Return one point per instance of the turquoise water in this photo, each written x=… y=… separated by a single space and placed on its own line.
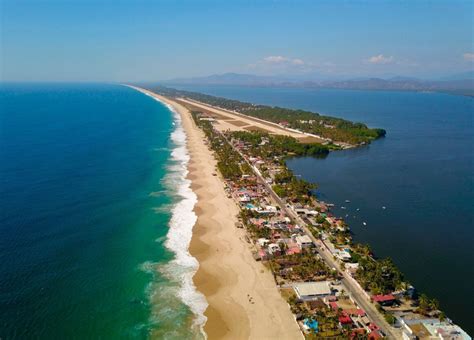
x=92 y=182
x=422 y=172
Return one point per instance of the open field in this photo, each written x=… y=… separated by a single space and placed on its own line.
x=228 y=120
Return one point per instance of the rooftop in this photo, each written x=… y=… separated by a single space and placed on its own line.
x=312 y=288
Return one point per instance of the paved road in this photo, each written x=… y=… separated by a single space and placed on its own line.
x=355 y=290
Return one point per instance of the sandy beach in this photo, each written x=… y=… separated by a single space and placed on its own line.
x=244 y=302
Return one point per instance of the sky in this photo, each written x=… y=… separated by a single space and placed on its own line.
x=137 y=40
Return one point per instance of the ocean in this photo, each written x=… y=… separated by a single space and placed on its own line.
x=96 y=216
x=414 y=188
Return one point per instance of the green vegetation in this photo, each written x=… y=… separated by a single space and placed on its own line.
x=389 y=318
x=336 y=129
x=426 y=305
x=265 y=145
x=304 y=267
x=294 y=189
x=229 y=162
x=379 y=276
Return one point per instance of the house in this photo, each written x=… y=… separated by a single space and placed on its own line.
x=262 y=242
x=384 y=300
x=304 y=241
x=351 y=267
x=345 y=319
x=244 y=198
x=342 y=255
x=374 y=335
x=445 y=330
x=273 y=248
x=312 y=290
x=317 y=304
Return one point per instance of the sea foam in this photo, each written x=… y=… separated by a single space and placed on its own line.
x=183 y=267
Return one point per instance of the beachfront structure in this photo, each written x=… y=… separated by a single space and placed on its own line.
x=312 y=290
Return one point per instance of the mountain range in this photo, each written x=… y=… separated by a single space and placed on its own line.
x=462 y=83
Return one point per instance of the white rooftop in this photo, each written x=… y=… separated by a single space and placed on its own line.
x=303 y=239
x=312 y=288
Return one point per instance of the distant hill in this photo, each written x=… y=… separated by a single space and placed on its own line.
x=469 y=75
x=228 y=79
x=462 y=83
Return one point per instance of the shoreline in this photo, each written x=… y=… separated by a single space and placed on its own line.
x=227 y=275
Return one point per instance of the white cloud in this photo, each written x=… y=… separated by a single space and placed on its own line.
x=297 y=62
x=275 y=59
x=380 y=59
x=468 y=56
x=278 y=59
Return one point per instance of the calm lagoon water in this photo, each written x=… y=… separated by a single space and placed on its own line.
x=422 y=172
x=90 y=179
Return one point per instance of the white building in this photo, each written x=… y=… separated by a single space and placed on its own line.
x=312 y=290
x=273 y=248
x=303 y=241
x=263 y=241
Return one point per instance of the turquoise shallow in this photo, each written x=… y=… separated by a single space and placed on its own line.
x=88 y=184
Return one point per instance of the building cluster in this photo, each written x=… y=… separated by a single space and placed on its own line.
x=290 y=233
x=318 y=298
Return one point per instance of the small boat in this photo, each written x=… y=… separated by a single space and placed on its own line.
x=357 y=209
x=347 y=215
x=343 y=207
x=347 y=201
x=364 y=223
x=384 y=207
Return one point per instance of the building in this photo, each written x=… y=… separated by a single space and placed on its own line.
x=312 y=290
x=273 y=248
x=384 y=300
x=304 y=241
x=342 y=255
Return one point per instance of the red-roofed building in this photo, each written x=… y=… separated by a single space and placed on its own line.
x=333 y=305
x=384 y=300
x=373 y=327
x=293 y=250
x=345 y=319
x=374 y=335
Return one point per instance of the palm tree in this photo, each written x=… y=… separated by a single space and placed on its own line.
x=434 y=304
x=424 y=302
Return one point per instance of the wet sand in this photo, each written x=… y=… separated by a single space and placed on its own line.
x=244 y=302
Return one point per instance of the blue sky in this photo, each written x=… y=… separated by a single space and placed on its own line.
x=139 y=40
